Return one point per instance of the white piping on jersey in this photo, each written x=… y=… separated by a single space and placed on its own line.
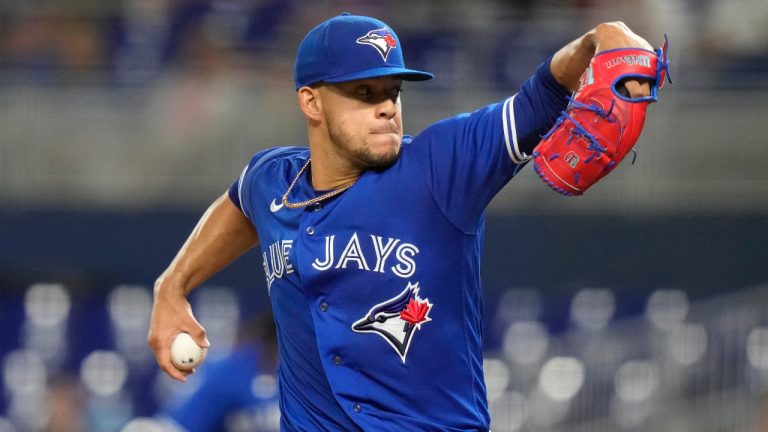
x=511 y=129
x=240 y=187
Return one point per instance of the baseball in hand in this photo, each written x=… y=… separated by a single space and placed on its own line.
x=185 y=353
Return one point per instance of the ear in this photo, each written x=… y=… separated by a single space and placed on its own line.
x=310 y=103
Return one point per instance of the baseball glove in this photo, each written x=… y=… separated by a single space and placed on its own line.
x=601 y=123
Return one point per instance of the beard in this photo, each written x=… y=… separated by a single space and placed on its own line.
x=361 y=154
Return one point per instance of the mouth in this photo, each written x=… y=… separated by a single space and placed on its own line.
x=384 y=130
x=385 y=134
x=378 y=138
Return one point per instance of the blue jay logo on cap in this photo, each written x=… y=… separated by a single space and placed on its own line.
x=381 y=39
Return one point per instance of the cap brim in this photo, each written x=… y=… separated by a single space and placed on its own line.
x=404 y=73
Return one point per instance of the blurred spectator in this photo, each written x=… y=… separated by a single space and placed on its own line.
x=237 y=393
x=47 y=48
x=66 y=404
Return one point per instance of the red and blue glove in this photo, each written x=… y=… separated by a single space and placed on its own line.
x=602 y=122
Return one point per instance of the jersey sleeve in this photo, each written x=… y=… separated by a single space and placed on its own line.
x=239 y=191
x=467 y=159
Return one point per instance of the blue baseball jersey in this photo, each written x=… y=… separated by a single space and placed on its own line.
x=376 y=292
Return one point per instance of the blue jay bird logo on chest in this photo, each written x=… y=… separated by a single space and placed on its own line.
x=381 y=39
x=397 y=319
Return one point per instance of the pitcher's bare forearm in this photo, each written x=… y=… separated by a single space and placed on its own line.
x=222 y=234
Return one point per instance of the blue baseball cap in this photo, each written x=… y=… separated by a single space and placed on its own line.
x=350 y=47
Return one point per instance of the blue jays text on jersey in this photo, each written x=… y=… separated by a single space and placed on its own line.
x=347 y=255
x=376 y=292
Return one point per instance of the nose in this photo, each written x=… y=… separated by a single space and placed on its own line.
x=386 y=109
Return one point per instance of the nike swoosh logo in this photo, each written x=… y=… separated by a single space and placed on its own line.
x=273 y=206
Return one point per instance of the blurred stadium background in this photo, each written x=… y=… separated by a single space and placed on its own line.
x=642 y=306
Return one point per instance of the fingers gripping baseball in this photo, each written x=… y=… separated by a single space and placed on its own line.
x=171 y=315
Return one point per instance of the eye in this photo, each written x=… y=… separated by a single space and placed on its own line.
x=363 y=90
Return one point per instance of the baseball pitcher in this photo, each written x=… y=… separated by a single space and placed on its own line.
x=371 y=239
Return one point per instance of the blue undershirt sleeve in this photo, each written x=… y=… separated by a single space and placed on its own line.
x=537 y=106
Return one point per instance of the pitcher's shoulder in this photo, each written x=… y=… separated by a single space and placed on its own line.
x=286 y=156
